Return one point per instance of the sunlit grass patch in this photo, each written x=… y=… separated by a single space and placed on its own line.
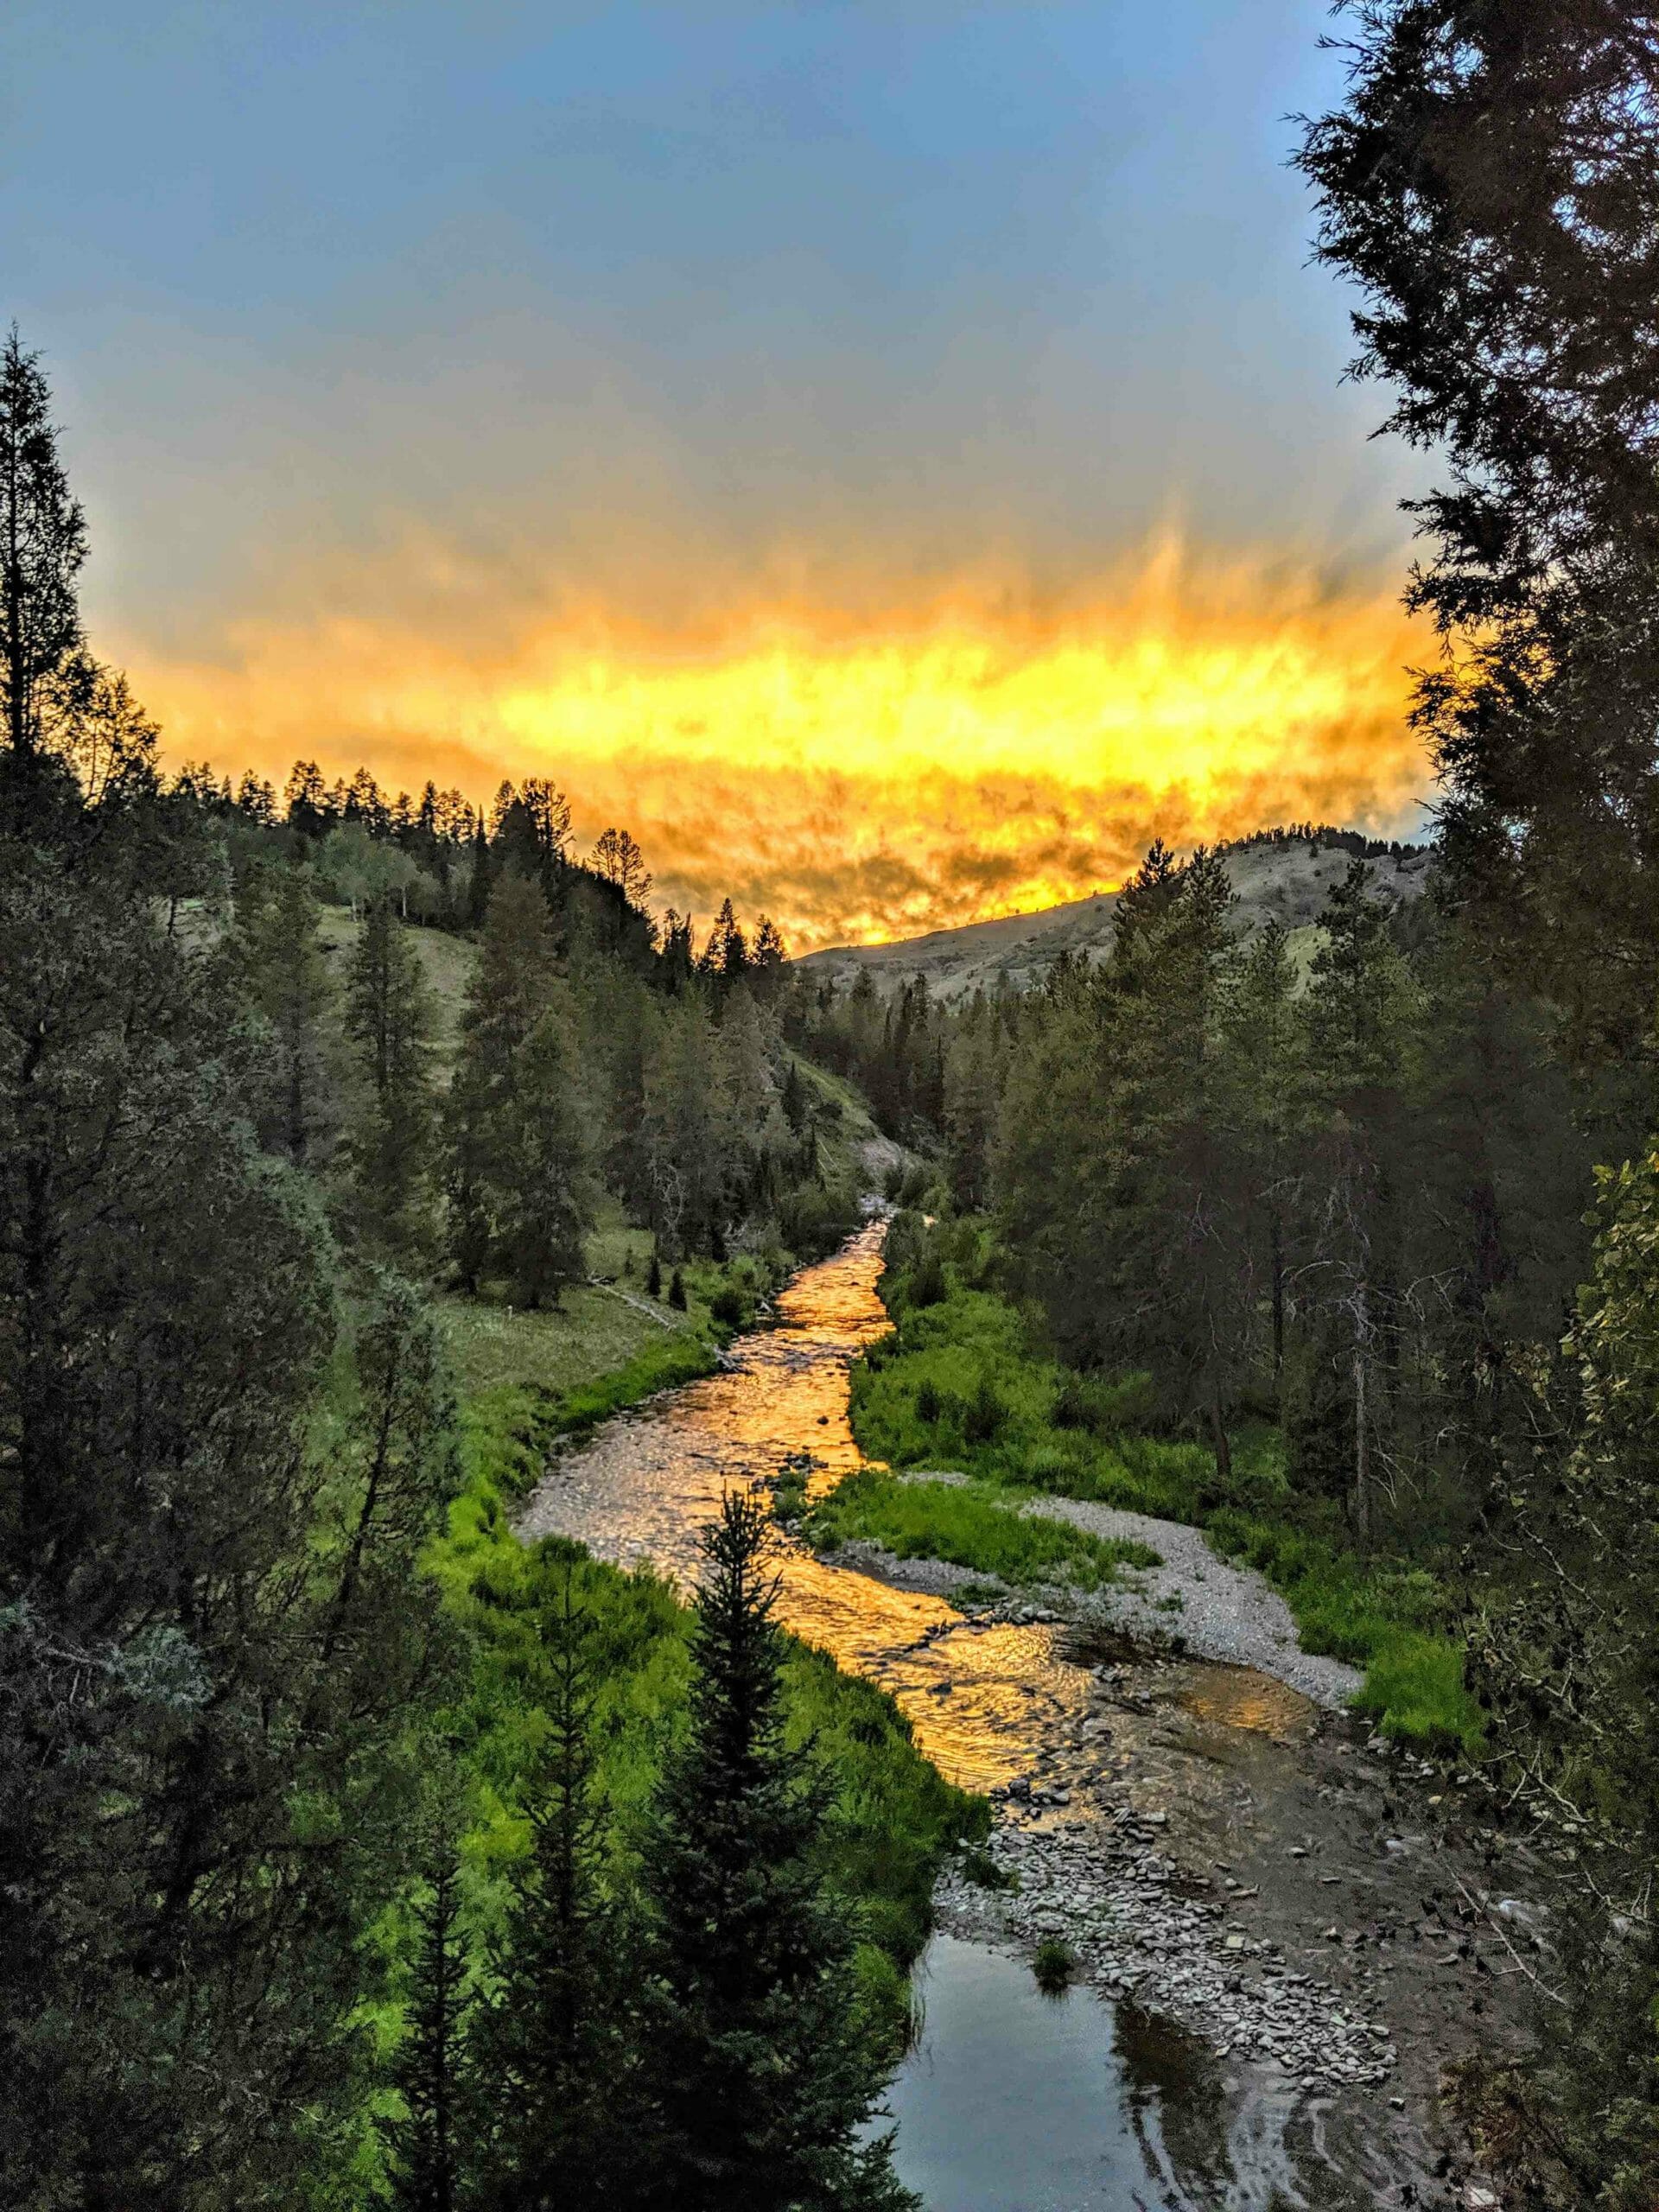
x=1392 y=1621
x=967 y=1527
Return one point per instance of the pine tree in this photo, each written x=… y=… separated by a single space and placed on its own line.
x=390 y=1139
x=427 y=2144
x=1263 y=1068
x=281 y=973
x=546 y=1188
x=511 y=991
x=42 y=546
x=687 y=1134
x=557 y=2040
x=181 y=1970
x=676 y=1291
x=1362 y=998
x=762 y=2080
x=725 y=958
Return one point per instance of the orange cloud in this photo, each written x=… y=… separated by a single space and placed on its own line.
x=970 y=750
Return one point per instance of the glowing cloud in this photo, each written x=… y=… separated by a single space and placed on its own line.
x=970 y=752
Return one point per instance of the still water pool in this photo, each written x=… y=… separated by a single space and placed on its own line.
x=1012 y=2102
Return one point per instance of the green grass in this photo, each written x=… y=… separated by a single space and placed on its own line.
x=595 y=1353
x=960 y=1386
x=925 y=1399
x=1394 y=1621
x=967 y=1527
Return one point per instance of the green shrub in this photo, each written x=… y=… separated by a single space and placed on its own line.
x=986 y=1414
x=1053 y=1963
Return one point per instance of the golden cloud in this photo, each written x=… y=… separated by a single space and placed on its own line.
x=967 y=751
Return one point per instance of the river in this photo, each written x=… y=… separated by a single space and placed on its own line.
x=1178 y=1778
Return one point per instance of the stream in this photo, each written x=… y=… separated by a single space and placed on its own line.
x=1221 y=1856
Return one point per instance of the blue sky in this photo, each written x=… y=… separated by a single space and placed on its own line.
x=929 y=274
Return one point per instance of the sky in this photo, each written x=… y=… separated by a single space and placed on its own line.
x=893 y=457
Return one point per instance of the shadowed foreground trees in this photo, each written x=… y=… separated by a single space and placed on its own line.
x=199 y=1706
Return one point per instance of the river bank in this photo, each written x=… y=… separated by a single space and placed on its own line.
x=1217 y=1852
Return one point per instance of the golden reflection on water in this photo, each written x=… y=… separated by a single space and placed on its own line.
x=1238 y=1697
x=980 y=1700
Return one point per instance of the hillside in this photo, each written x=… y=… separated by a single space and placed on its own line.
x=1289 y=880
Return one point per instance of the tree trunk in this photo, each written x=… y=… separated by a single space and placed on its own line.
x=1223 y=1446
x=1359 y=1505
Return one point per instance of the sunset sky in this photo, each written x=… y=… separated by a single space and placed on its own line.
x=891 y=457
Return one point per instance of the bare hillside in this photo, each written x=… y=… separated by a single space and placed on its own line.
x=1289 y=880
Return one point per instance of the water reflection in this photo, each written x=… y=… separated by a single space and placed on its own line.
x=1016 y=2102
x=981 y=1700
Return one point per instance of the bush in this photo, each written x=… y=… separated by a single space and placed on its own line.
x=729 y=1307
x=925 y=1285
x=986 y=1414
x=1053 y=1963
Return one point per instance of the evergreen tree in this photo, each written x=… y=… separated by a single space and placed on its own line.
x=619 y=860
x=201 y=1764
x=388 y=1021
x=688 y=1129
x=1362 y=1002
x=558 y=2042
x=1263 y=1070
x=282 y=975
x=42 y=546
x=545 y=1185
x=762 y=2080
x=725 y=956
x=511 y=991
x=1492 y=184
x=1565 y=1656
x=428 y=2143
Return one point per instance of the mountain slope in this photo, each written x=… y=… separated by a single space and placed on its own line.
x=1289 y=878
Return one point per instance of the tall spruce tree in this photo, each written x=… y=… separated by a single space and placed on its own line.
x=762 y=2080
x=199 y=1756
x=392 y=1128
x=520 y=1179
x=42 y=547
x=558 y=2042
x=1362 y=1002
x=1491 y=182
x=509 y=996
x=430 y=2150
x=546 y=1185
x=281 y=975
